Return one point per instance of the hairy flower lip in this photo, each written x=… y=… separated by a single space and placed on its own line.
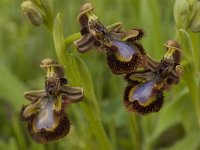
x=47 y=120
x=143 y=90
x=90 y=36
x=44 y=136
x=166 y=71
x=112 y=39
x=122 y=67
x=139 y=95
x=134 y=106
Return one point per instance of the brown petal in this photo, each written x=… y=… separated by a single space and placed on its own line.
x=71 y=94
x=132 y=35
x=33 y=95
x=139 y=76
x=82 y=17
x=151 y=64
x=29 y=110
x=85 y=43
x=115 y=27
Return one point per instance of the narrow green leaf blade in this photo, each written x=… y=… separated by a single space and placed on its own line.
x=11 y=88
x=190 y=142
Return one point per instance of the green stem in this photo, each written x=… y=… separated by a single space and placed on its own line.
x=79 y=123
x=70 y=39
x=112 y=133
x=198 y=109
x=146 y=133
x=191 y=77
x=91 y=111
x=135 y=132
x=47 y=6
x=97 y=128
x=78 y=75
x=195 y=40
x=17 y=132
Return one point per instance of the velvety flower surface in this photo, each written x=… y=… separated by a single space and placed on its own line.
x=46 y=117
x=124 y=52
x=144 y=92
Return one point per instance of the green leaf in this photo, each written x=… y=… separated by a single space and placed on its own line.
x=186 y=43
x=11 y=88
x=76 y=70
x=83 y=76
x=11 y=144
x=70 y=39
x=58 y=38
x=17 y=131
x=188 y=76
x=170 y=115
x=190 y=142
x=152 y=22
x=34 y=146
x=78 y=75
x=191 y=68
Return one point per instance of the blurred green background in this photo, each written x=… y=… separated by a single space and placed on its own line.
x=23 y=46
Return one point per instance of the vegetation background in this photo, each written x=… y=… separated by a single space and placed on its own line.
x=22 y=47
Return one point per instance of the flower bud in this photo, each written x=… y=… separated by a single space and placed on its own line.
x=195 y=22
x=181 y=13
x=192 y=8
x=32 y=13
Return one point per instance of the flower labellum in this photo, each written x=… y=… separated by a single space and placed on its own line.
x=144 y=93
x=46 y=117
x=124 y=53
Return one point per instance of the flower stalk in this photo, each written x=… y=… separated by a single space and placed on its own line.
x=183 y=35
x=78 y=74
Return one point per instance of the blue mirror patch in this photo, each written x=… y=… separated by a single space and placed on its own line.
x=126 y=51
x=45 y=119
x=144 y=91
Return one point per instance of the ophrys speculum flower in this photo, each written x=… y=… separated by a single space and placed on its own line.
x=144 y=93
x=45 y=114
x=124 y=52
